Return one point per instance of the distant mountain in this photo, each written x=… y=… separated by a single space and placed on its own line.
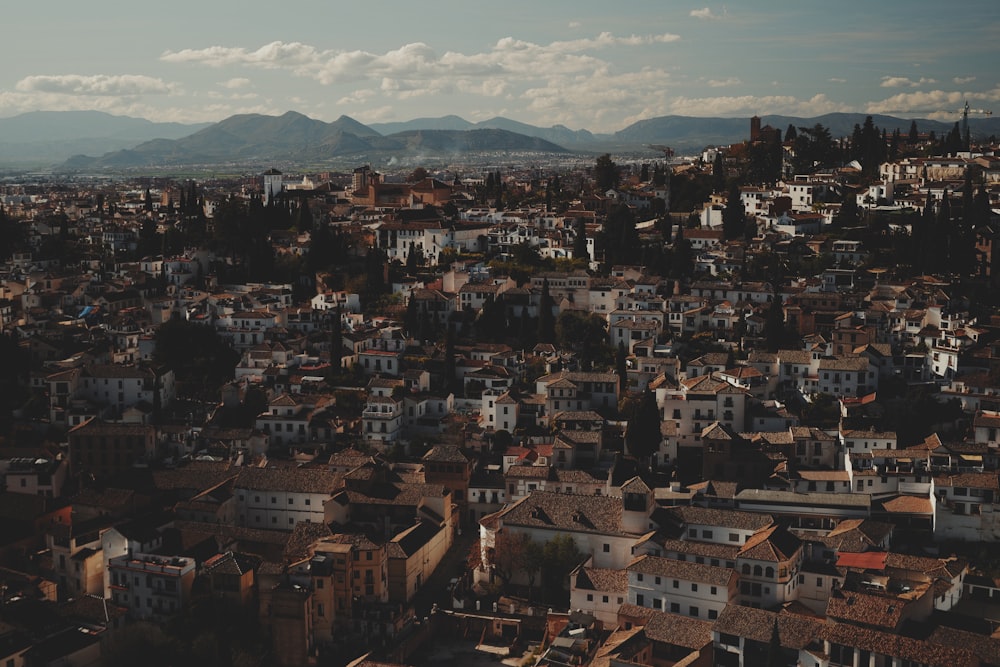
x=445 y=142
x=44 y=137
x=297 y=139
x=444 y=123
x=292 y=137
x=687 y=133
x=557 y=134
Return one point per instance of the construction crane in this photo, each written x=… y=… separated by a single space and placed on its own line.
x=668 y=152
x=965 y=111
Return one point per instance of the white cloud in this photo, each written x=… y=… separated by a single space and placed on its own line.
x=751 y=104
x=95 y=85
x=235 y=83
x=902 y=81
x=509 y=57
x=723 y=83
x=704 y=13
x=837 y=79
x=961 y=80
x=574 y=25
x=945 y=103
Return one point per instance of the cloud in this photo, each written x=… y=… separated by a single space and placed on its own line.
x=752 y=104
x=235 y=83
x=722 y=83
x=574 y=25
x=704 y=13
x=941 y=102
x=836 y=79
x=961 y=80
x=95 y=85
x=902 y=81
x=509 y=57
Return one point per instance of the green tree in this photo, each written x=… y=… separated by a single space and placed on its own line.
x=775 y=655
x=734 y=215
x=718 y=173
x=774 y=324
x=642 y=436
x=560 y=556
x=586 y=334
x=580 y=239
x=546 y=320
x=606 y=173
x=201 y=360
x=621 y=367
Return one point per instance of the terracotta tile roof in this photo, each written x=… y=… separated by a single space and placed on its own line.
x=683 y=570
x=774 y=544
x=603 y=579
x=723 y=552
x=566 y=511
x=300 y=480
x=721 y=518
x=676 y=630
x=795 y=632
x=908 y=505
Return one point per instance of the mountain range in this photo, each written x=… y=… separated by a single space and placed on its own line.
x=90 y=140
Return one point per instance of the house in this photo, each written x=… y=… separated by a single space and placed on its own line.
x=278 y=498
x=151 y=587
x=681 y=587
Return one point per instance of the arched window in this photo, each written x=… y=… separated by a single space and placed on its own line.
x=757 y=570
x=769 y=573
x=746 y=569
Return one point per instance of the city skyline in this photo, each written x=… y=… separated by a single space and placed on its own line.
x=583 y=65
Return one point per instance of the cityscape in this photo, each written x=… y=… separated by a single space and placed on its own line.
x=558 y=347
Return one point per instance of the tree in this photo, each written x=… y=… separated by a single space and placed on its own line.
x=196 y=353
x=417 y=175
x=718 y=173
x=606 y=173
x=642 y=436
x=586 y=334
x=734 y=215
x=621 y=368
x=531 y=563
x=560 y=556
x=546 y=321
x=774 y=652
x=580 y=239
x=513 y=553
x=774 y=324
x=913 y=137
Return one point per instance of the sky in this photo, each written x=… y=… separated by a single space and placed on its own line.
x=584 y=64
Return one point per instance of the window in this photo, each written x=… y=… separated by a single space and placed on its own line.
x=713 y=590
x=706 y=534
x=712 y=614
x=640 y=600
x=604 y=599
x=693 y=611
x=590 y=597
x=734 y=537
x=675 y=607
x=657 y=603
x=638 y=576
x=692 y=533
x=607 y=548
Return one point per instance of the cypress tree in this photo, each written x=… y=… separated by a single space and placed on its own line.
x=546 y=322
